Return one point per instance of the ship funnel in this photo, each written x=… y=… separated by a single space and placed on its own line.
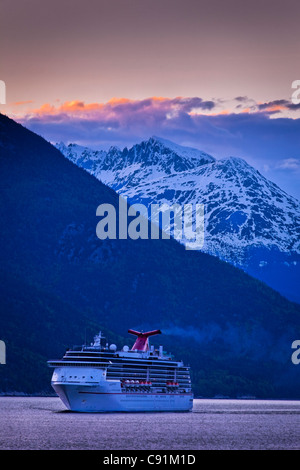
x=142 y=343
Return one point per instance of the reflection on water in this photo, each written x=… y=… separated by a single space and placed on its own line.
x=43 y=423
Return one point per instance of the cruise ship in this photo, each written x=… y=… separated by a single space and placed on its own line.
x=101 y=378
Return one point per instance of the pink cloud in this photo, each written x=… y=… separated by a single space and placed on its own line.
x=213 y=126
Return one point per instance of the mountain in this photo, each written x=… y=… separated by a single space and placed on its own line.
x=60 y=284
x=249 y=221
x=148 y=161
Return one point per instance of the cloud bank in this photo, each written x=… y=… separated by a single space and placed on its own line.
x=266 y=134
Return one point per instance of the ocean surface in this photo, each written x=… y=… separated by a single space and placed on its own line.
x=43 y=423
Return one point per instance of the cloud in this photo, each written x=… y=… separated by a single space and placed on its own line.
x=258 y=132
x=252 y=132
x=246 y=104
x=206 y=124
x=277 y=106
x=119 y=120
x=121 y=107
x=22 y=103
x=289 y=164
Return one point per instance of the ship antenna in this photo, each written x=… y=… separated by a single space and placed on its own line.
x=97 y=340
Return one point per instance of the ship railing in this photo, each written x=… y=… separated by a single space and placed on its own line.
x=59 y=363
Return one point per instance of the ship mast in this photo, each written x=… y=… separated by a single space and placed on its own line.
x=97 y=340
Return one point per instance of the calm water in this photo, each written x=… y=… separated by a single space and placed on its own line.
x=43 y=423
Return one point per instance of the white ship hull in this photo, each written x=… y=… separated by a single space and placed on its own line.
x=101 y=395
x=79 y=398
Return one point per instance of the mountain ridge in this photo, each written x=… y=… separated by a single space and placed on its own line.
x=246 y=215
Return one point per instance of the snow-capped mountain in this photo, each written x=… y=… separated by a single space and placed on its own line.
x=249 y=221
x=146 y=161
x=82 y=156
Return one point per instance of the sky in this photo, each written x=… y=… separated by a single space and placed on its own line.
x=215 y=75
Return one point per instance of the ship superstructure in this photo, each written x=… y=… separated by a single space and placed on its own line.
x=99 y=378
